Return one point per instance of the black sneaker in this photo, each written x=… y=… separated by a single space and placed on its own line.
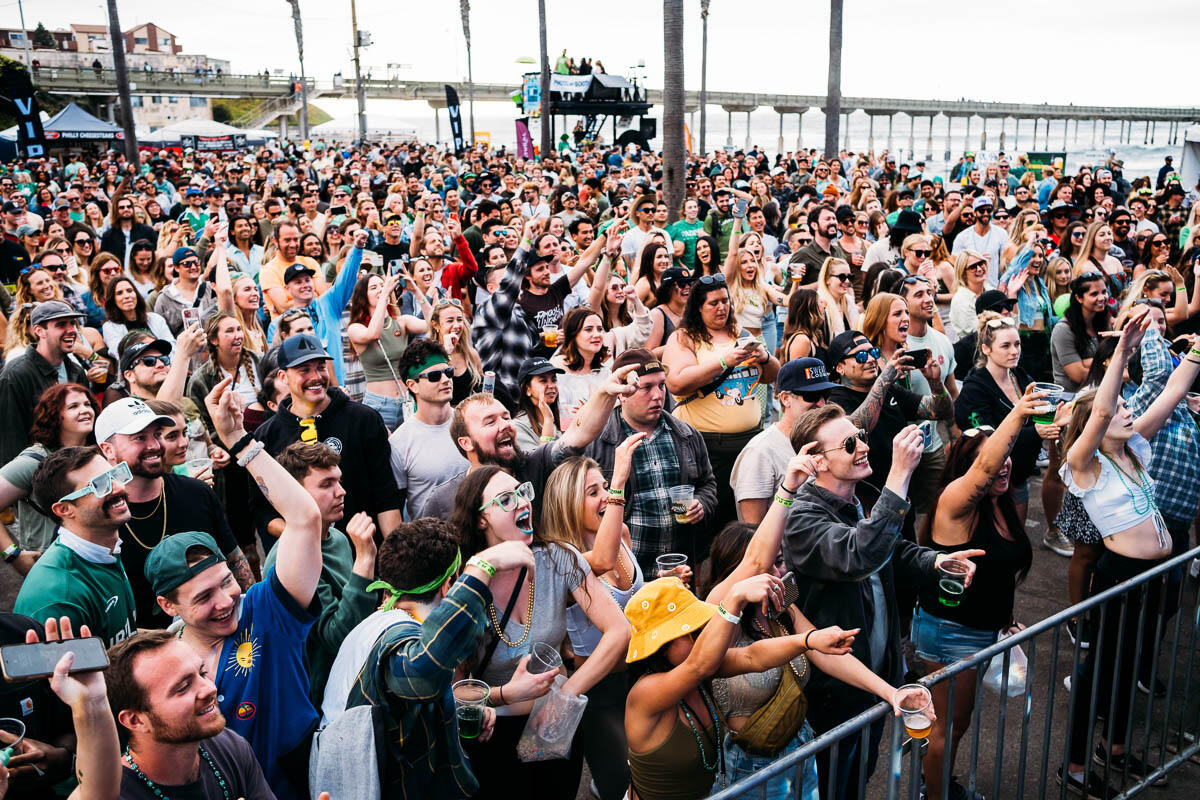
x=1117 y=764
x=960 y=792
x=1092 y=787
x=1160 y=688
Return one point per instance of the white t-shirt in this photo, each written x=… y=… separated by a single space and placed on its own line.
x=423 y=456
x=631 y=242
x=352 y=654
x=990 y=244
x=761 y=466
x=942 y=351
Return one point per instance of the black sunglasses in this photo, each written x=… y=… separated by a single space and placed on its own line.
x=150 y=361
x=922 y=253
x=843 y=277
x=711 y=280
x=850 y=444
x=436 y=375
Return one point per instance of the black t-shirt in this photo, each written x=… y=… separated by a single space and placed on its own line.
x=190 y=506
x=390 y=252
x=234 y=759
x=545 y=309
x=899 y=410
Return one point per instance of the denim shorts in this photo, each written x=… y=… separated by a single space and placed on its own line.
x=793 y=784
x=944 y=642
x=390 y=408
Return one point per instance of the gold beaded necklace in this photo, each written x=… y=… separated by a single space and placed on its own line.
x=528 y=621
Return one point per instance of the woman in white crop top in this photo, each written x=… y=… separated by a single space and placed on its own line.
x=580 y=510
x=1106 y=466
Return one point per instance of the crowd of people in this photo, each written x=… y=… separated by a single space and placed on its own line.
x=442 y=474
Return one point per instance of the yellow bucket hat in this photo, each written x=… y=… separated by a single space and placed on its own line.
x=660 y=612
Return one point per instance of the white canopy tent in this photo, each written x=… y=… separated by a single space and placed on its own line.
x=170 y=134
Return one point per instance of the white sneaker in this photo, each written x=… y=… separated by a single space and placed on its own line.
x=1043 y=459
x=1194 y=568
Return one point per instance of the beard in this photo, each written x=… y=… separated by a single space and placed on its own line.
x=186 y=732
x=510 y=465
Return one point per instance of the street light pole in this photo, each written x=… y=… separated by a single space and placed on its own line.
x=118 y=53
x=703 y=72
x=833 y=93
x=25 y=34
x=359 y=94
x=547 y=147
x=464 y=7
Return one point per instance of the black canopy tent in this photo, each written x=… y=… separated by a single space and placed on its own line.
x=73 y=125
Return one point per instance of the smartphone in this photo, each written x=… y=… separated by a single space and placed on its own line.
x=1180 y=345
x=395 y=265
x=919 y=357
x=791 y=593
x=926 y=429
x=739 y=208
x=191 y=316
x=337 y=211
x=21 y=662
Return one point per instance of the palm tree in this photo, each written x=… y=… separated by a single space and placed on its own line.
x=303 y=81
x=118 y=52
x=674 y=164
x=703 y=70
x=464 y=8
x=547 y=147
x=833 y=95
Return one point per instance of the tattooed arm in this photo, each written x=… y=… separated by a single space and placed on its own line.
x=867 y=414
x=240 y=567
x=963 y=495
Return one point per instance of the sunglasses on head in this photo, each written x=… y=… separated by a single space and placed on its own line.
x=510 y=499
x=850 y=444
x=971 y=433
x=863 y=356
x=711 y=280
x=102 y=484
x=1002 y=322
x=1149 y=301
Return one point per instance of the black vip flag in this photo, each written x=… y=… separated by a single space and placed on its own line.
x=455 y=110
x=31 y=139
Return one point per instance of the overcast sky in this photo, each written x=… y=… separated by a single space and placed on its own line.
x=1104 y=52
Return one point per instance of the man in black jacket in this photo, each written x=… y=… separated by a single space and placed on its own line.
x=56 y=327
x=315 y=412
x=125 y=231
x=848 y=566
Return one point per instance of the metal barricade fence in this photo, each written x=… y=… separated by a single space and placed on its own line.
x=1163 y=731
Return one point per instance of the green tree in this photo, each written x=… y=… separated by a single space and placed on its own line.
x=42 y=37
x=49 y=103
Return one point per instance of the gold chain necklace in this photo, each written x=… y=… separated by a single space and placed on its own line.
x=161 y=502
x=528 y=621
x=799 y=674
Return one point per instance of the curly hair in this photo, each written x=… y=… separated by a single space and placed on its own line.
x=692 y=322
x=572 y=324
x=47 y=414
x=415 y=354
x=417 y=552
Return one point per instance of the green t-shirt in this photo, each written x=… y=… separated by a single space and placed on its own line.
x=687 y=232
x=194 y=220
x=64 y=584
x=37 y=530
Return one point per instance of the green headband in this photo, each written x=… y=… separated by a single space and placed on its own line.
x=428 y=587
x=431 y=360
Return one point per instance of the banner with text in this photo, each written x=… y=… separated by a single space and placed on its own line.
x=455 y=110
x=31 y=139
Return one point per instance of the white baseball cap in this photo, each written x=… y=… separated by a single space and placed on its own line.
x=127 y=416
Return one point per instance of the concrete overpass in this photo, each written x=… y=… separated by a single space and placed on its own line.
x=274 y=91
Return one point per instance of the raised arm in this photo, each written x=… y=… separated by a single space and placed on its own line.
x=222 y=278
x=605 y=549
x=730 y=267
x=362 y=335
x=961 y=498
x=592 y=418
x=189 y=343
x=1104 y=405
x=1150 y=422
x=414 y=244
x=298 y=565
x=938 y=404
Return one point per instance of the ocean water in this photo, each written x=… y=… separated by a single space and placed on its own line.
x=1081 y=144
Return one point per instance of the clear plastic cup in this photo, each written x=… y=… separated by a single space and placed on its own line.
x=916 y=704
x=470 y=698
x=1045 y=413
x=681 y=498
x=543 y=658
x=952 y=582
x=196 y=466
x=668 y=564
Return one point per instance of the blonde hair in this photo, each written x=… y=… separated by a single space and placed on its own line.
x=562 y=506
x=1050 y=271
x=874 y=320
x=1084 y=254
x=914 y=239
x=835 y=323
x=738 y=283
x=986 y=334
x=1017 y=230
x=464 y=347
x=961 y=260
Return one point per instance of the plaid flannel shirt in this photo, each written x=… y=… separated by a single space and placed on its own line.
x=1173 y=462
x=408 y=673
x=501 y=332
x=654 y=470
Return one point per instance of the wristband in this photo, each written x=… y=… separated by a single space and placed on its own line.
x=810 y=631
x=728 y=616
x=240 y=444
x=547 y=439
x=479 y=563
x=251 y=453
x=723 y=364
x=786 y=502
x=11 y=552
x=616 y=493
x=1194 y=352
x=792 y=492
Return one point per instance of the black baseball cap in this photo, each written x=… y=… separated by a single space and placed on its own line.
x=677 y=275
x=295 y=271
x=994 y=300
x=842 y=344
x=134 y=351
x=300 y=349
x=536 y=366
x=803 y=375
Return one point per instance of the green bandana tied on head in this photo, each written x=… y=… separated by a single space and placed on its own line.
x=432 y=360
x=428 y=587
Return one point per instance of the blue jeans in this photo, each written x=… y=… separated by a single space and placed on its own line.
x=944 y=642
x=800 y=782
x=390 y=408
